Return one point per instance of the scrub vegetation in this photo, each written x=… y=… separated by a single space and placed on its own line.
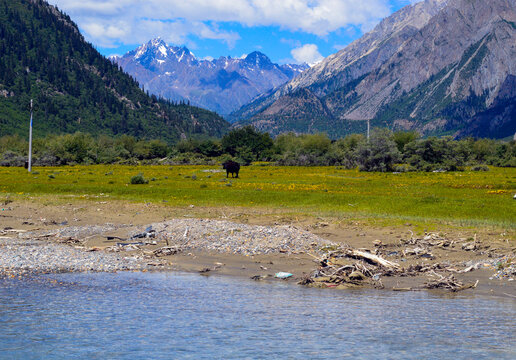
x=385 y=151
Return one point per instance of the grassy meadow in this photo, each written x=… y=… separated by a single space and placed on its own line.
x=457 y=198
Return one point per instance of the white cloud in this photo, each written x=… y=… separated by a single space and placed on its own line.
x=110 y=33
x=308 y=53
x=130 y=21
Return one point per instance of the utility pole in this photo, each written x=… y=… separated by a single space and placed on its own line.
x=30 y=138
x=368 y=127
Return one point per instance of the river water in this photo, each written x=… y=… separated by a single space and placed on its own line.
x=188 y=316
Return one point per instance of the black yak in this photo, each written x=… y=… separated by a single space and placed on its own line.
x=231 y=167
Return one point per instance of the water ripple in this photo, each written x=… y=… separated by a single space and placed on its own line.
x=163 y=316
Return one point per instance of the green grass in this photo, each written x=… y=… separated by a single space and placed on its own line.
x=461 y=198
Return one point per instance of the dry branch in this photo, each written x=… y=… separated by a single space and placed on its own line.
x=371 y=258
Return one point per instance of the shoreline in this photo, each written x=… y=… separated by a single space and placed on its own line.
x=250 y=247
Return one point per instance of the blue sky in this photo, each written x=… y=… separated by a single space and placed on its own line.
x=286 y=30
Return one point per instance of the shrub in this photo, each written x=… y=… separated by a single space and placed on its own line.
x=402 y=138
x=379 y=154
x=189 y=159
x=14 y=143
x=139 y=179
x=480 y=168
x=244 y=155
x=211 y=148
x=403 y=168
x=247 y=143
x=305 y=150
x=10 y=158
x=437 y=153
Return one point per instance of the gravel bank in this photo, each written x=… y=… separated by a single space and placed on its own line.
x=233 y=238
x=21 y=256
x=43 y=251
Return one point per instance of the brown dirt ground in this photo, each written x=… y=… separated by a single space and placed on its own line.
x=34 y=215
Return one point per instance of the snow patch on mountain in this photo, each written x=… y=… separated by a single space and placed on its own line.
x=222 y=85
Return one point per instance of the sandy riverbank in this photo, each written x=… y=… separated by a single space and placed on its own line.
x=248 y=243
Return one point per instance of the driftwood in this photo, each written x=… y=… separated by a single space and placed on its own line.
x=345 y=267
x=428 y=240
x=69 y=240
x=166 y=250
x=403 y=289
x=371 y=258
x=348 y=268
x=448 y=283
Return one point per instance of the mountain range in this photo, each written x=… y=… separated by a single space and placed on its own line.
x=222 y=85
x=438 y=67
x=44 y=57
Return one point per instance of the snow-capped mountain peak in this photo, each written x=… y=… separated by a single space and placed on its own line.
x=222 y=84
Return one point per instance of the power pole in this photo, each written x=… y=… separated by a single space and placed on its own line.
x=30 y=138
x=368 y=127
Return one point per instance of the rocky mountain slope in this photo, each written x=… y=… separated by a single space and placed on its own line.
x=222 y=85
x=439 y=67
x=44 y=57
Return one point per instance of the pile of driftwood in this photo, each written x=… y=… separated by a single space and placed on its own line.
x=422 y=246
x=448 y=283
x=346 y=267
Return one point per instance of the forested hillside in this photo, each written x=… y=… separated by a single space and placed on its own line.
x=43 y=56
